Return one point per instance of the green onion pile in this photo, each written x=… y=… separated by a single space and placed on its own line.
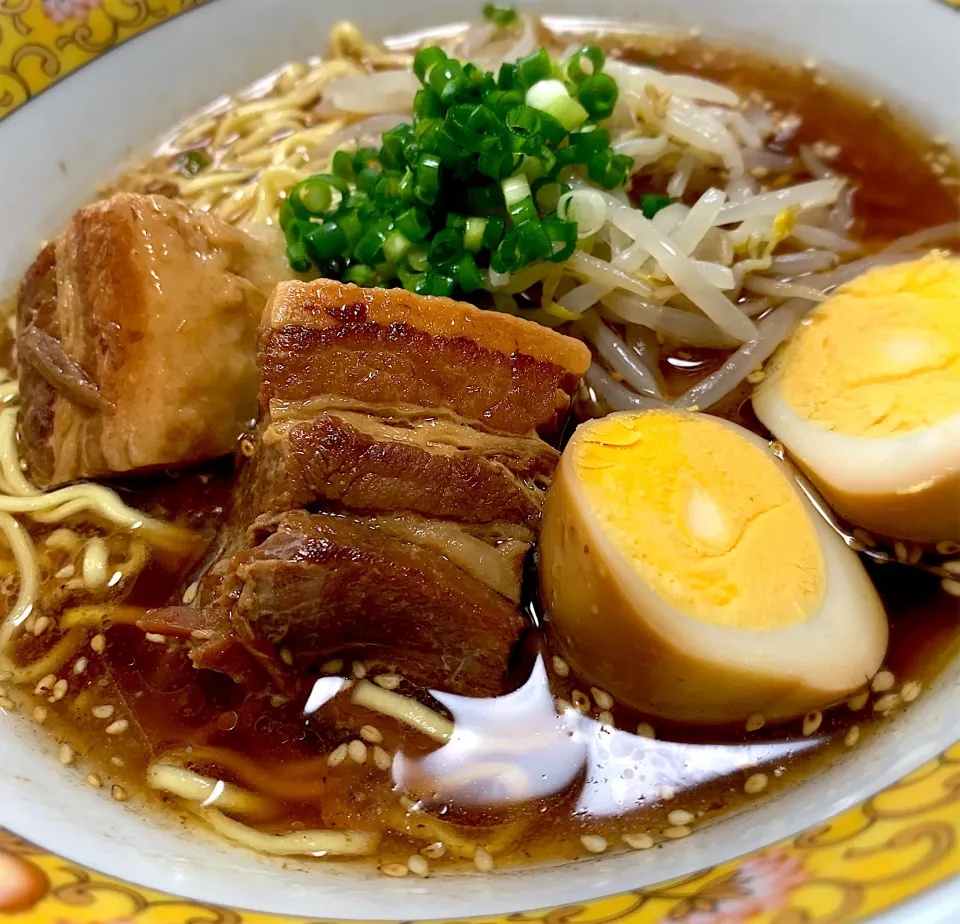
x=471 y=187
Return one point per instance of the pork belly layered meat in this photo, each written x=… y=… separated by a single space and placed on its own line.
x=395 y=485
x=136 y=340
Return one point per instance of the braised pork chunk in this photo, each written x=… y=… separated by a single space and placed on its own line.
x=136 y=339
x=394 y=487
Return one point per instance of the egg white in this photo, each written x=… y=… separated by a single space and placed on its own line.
x=633 y=643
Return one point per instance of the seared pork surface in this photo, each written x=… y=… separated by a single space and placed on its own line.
x=394 y=487
x=136 y=338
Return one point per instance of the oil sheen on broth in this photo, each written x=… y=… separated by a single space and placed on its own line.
x=517 y=781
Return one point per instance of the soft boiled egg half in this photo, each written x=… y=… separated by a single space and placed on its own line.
x=684 y=572
x=866 y=398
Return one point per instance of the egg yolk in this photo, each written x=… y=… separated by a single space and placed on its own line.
x=708 y=521
x=882 y=356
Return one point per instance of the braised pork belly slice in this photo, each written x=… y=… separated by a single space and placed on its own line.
x=391 y=346
x=136 y=340
x=320 y=585
x=403 y=460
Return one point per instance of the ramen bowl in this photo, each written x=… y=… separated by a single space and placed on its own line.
x=876 y=828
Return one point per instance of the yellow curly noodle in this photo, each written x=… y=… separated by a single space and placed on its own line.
x=265 y=141
x=86 y=505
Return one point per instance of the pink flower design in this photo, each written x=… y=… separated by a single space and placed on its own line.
x=59 y=11
x=761 y=884
x=22 y=884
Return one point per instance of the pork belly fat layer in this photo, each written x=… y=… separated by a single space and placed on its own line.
x=390 y=346
x=136 y=337
x=322 y=584
x=431 y=467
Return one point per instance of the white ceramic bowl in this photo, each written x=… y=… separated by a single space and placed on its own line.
x=57 y=150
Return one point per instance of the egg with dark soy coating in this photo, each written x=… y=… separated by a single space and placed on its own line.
x=684 y=571
x=865 y=396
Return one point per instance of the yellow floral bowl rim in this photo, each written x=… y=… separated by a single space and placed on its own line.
x=898 y=845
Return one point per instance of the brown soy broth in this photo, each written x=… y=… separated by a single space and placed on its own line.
x=626 y=783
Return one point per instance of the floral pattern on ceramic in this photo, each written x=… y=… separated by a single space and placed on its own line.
x=898 y=844
x=902 y=842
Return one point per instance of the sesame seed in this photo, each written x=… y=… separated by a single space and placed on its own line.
x=434 y=851
x=676 y=832
x=856 y=703
x=190 y=594
x=155 y=637
x=593 y=843
x=39 y=714
x=948 y=547
x=286 y=655
x=45 y=683
x=755 y=722
x=951 y=587
x=99 y=643
x=887 y=703
x=646 y=730
x=953 y=567
x=756 y=377
x=116 y=761
x=66 y=754
x=95 y=780
x=333 y=667
x=581 y=701
x=41 y=625
x=80 y=666
x=7 y=704
x=102 y=712
x=562 y=705
x=882 y=682
x=755 y=784
x=119 y=794
x=381 y=759
x=638 y=841
x=812 y=722
x=560 y=667
x=482 y=860
x=118 y=727
x=605 y=717
x=852 y=736
x=680 y=817
x=387 y=681
x=371 y=734
x=900 y=551
x=395 y=870
x=359 y=670
x=67 y=571
x=59 y=690
x=337 y=756
x=247 y=448
x=418 y=866
x=357 y=751
x=910 y=690
x=603 y=699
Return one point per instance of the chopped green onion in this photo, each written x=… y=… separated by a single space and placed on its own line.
x=651 y=203
x=552 y=97
x=586 y=62
x=500 y=16
x=534 y=68
x=470 y=183
x=343 y=165
x=474 y=233
x=563 y=239
x=426 y=60
x=190 y=163
x=598 y=95
x=468 y=274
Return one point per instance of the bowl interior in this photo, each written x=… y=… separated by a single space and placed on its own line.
x=64 y=144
